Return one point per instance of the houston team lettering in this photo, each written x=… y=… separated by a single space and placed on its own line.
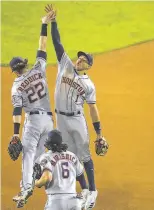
x=73 y=84
x=30 y=79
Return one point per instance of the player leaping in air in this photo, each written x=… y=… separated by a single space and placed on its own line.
x=30 y=92
x=73 y=88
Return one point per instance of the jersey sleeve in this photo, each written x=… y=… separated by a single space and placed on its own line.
x=40 y=63
x=91 y=95
x=79 y=168
x=16 y=97
x=65 y=64
x=45 y=164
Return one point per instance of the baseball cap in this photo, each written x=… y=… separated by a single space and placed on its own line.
x=17 y=60
x=55 y=137
x=87 y=55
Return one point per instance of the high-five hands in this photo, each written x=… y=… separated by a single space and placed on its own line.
x=51 y=15
x=49 y=9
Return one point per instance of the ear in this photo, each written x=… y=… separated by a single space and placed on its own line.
x=87 y=67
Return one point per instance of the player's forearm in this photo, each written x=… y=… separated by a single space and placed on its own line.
x=43 y=37
x=56 y=41
x=95 y=118
x=41 y=182
x=94 y=113
x=17 y=119
x=45 y=179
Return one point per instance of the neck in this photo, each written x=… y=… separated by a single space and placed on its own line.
x=81 y=72
x=23 y=71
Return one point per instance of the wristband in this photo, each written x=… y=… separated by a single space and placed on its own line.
x=97 y=127
x=17 y=111
x=16 y=128
x=44 y=30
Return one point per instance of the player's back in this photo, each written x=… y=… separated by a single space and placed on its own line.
x=65 y=167
x=31 y=91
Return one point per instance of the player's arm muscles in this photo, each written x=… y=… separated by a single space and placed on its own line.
x=43 y=42
x=56 y=40
x=45 y=179
x=95 y=119
x=17 y=112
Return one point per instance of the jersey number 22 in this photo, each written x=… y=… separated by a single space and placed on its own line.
x=36 y=92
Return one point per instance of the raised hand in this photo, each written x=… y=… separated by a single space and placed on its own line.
x=48 y=8
x=49 y=17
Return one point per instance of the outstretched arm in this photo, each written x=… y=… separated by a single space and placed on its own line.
x=55 y=35
x=56 y=40
x=43 y=35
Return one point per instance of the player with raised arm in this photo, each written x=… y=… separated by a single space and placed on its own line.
x=30 y=92
x=73 y=88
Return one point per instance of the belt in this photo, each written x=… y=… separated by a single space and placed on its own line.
x=40 y=112
x=68 y=114
x=63 y=194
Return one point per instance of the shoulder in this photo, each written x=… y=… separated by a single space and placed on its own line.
x=90 y=83
x=65 y=59
x=71 y=154
x=43 y=159
x=87 y=81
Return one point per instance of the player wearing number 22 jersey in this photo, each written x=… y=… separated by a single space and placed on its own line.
x=30 y=92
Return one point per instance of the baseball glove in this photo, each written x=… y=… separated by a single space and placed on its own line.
x=37 y=172
x=101 y=147
x=15 y=148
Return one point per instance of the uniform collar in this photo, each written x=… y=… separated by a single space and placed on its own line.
x=85 y=76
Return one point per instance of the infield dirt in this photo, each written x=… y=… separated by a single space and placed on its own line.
x=125 y=98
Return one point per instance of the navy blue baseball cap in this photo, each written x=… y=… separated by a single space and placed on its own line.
x=17 y=60
x=54 y=137
x=87 y=55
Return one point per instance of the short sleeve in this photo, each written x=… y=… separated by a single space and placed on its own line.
x=79 y=168
x=91 y=95
x=45 y=164
x=16 y=98
x=40 y=63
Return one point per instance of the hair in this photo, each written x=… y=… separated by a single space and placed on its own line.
x=20 y=66
x=58 y=148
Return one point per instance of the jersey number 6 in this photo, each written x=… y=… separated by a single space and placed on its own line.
x=65 y=170
x=36 y=89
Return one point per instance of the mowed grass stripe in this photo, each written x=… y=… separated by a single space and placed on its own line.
x=91 y=26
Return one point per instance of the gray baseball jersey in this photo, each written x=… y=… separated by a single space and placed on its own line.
x=30 y=91
x=65 y=167
x=72 y=89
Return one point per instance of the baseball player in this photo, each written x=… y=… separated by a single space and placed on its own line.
x=57 y=170
x=73 y=88
x=30 y=92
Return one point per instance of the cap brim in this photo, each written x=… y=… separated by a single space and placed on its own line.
x=80 y=53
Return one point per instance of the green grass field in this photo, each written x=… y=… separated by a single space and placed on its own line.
x=91 y=26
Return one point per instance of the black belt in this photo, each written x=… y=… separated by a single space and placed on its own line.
x=68 y=114
x=39 y=112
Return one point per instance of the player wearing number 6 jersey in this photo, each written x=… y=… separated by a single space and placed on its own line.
x=58 y=171
x=30 y=92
